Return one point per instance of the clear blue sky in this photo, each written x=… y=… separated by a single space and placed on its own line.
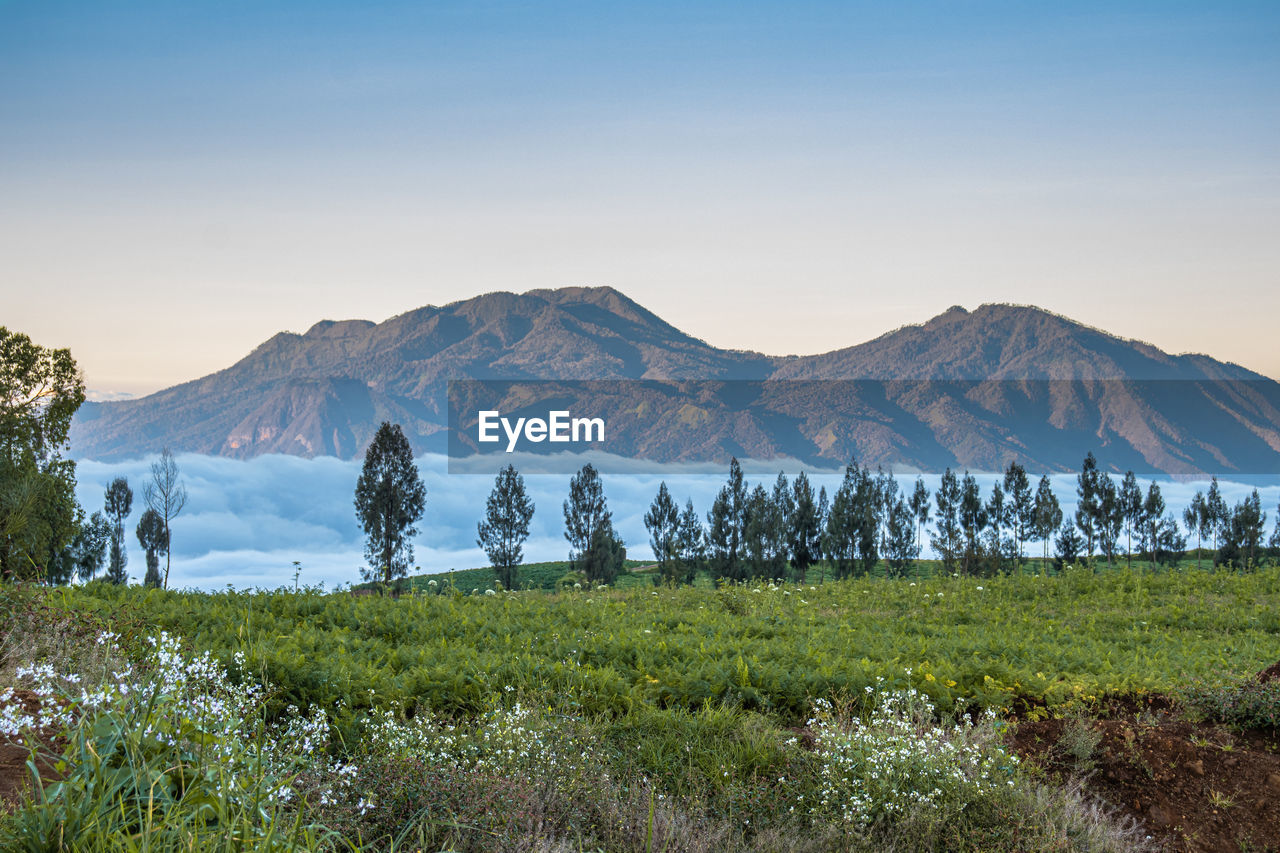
x=178 y=181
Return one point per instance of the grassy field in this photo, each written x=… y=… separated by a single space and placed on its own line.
x=750 y=717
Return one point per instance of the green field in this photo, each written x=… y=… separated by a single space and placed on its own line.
x=773 y=648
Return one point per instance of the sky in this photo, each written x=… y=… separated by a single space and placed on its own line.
x=180 y=181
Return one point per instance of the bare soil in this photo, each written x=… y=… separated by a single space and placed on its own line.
x=1194 y=786
x=15 y=778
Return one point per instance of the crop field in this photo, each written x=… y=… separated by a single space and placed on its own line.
x=823 y=716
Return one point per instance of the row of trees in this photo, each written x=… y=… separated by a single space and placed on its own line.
x=44 y=534
x=782 y=531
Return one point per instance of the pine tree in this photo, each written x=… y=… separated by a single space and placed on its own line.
x=1152 y=512
x=389 y=500
x=690 y=543
x=1196 y=519
x=727 y=527
x=920 y=510
x=506 y=526
x=946 y=539
x=1110 y=518
x=1022 y=507
x=997 y=511
x=1087 y=503
x=973 y=520
x=152 y=538
x=585 y=513
x=1048 y=514
x=804 y=533
x=663 y=523
x=1218 y=516
x=119 y=502
x=842 y=526
x=1130 y=501
x=1067 y=546
x=901 y=547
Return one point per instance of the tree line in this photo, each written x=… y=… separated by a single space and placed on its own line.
x=781 y=532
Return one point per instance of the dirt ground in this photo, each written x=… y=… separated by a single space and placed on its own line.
x=1194 y=786
x=14 y=775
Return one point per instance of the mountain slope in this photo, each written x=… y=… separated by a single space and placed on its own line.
x=965 y=389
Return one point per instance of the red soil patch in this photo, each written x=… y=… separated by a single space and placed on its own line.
x=15 y=778
x=1194 y=786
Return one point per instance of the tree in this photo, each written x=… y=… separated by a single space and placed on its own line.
x=1218 y=515
x=154 y=541
x=842 y=526
x=1087 y=492
x=663 y=523
x=973 y=519
x=1243 y=542
x=726 y=525
x=88 y=550
x=919 y=504
x=1110 y=518
x=804 y=533
x=1130 y=501
x=1196 y=519
x=604 y=556
x=506 y=525
x=689 y=543
x=900 y=544
x=1067 y=547
x=585 y=514
x=166 y=496
x=1149 y=527
x=1048 y=514
x=40 y=390
x=390 y=499
x=997 y=519
x=946 y=539
x=119 y=502
x=765 y=543
x=1022 y=506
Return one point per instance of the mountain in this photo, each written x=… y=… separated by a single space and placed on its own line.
x=965 y=389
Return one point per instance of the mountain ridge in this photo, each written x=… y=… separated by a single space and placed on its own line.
x=323 y=392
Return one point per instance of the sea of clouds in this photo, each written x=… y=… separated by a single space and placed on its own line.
x=247 y=521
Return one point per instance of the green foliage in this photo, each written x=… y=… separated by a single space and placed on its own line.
x=390 y=499
x=1248 y=703
x=506 y=525
x=1055 y=639
x=40 y=390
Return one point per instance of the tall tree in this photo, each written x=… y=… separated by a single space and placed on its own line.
x=1218 y=514
x=1087 y=503
x=946 y=539
x=1196 y=519
x=1243 y=543
x=588 y=525
x=804 y=533
x=1022 y=506
x=1067 y=547
x=761 y=540
x=919 y=504
x=842 y=525
x=390 y=499
x=89 y=548
x=997 y=520
x=166 y=496
x=824 y=515
x=1152 y=512
x=726 y=525
x=1048 y=514
x=973 y=520
x=506 y=526
x=40 y=390
x=1130 y=506
x=1110 y=518
x=119 y=502
x=663 y=523
x=690 y=543
x=900 y=544
x=154 y=542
